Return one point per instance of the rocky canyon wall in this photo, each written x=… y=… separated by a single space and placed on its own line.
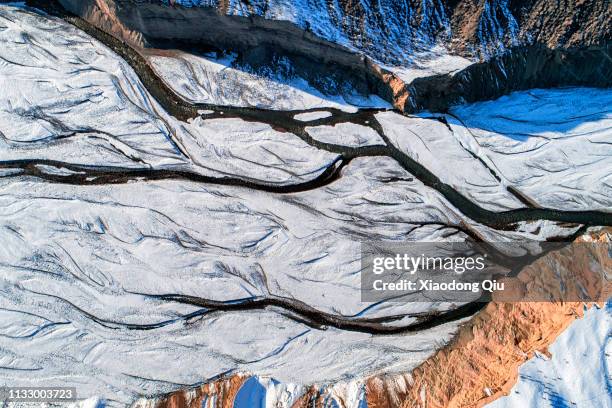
x=516 y=53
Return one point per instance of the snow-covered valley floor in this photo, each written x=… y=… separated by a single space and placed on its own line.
x=220 y=81
x=107 y=202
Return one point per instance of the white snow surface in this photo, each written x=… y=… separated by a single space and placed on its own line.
x=251 y=150
x=74 y=100
x=431 y=143
x=207 y=79
x=579 y=373
x=435 y=61
x=66 y=100
x=346 y=134
x=77 y=262
x=310 y=116
x=552 y=146
x=75 y=259
x=555 y=146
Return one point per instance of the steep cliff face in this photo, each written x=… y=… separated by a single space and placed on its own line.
x=487 y=27
x=380 y=47
x=518 y=69
x=393 y=31
x=258 y=41
x=388 y=31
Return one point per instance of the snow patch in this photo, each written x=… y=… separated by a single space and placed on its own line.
x=310 y=116
x=577 y=375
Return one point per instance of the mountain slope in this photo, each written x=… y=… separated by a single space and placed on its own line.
x=393 y=31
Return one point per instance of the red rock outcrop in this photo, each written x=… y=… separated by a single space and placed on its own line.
x=479 y=365
x=217 y=394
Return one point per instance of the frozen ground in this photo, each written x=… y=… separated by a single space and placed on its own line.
x=314 y=115
x=552 y=145
x=435 y=61
x=346 y=134
x=208 y=79
x=73 y=102
x=547 y=148
x=83 y=265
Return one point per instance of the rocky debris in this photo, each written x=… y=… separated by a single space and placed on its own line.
x=487 y=353
x=575 y=23
x=103 y=14
x=216 y=394
x=484 y=28
x=388 y=391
